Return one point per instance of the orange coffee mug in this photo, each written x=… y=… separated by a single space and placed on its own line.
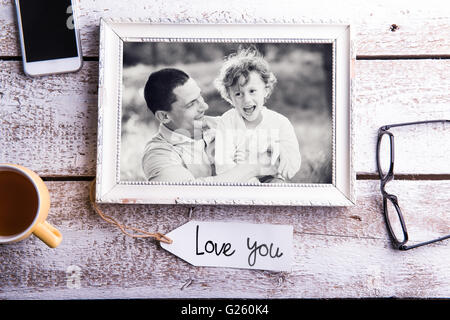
x=24 y=206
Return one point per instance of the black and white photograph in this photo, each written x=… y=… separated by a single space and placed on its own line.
x=241 y=112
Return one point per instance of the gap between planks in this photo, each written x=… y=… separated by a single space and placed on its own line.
x=413 y=177
x=358 y=57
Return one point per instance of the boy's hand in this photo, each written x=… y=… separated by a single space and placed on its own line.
x=274 y=151
x=240 y=156
x=283 y=168
x=286 y=166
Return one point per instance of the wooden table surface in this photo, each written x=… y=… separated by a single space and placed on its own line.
x=49 y=124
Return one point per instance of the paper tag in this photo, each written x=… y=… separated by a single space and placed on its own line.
x=233 y=244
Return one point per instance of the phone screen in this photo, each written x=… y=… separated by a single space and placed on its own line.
x=48 y=29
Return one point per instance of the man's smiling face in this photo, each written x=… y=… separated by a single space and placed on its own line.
x=188 y=110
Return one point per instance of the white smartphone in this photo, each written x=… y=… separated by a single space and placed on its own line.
x=49 y=36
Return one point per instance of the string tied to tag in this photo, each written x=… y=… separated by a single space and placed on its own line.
x=142 y=233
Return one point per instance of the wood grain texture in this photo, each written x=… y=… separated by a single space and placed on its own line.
x=383 y=28
x=50 y=124
x=337 y=252
x=399 y=91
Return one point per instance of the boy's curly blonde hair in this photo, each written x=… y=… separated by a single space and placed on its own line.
x=240 y=64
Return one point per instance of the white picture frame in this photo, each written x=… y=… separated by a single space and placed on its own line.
x=111 y=188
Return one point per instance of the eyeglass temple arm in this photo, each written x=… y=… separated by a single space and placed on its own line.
x=405 y=247
x=387 y=127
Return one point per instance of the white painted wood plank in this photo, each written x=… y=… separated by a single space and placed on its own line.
x=419 y=29
x=402 y=91
x=50 y=124
x=341 y=252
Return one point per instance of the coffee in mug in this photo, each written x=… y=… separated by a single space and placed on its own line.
x=24 y=206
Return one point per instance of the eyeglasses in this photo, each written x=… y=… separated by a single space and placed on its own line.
x=393 y=215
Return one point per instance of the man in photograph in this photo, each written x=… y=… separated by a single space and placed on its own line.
x=183 y=148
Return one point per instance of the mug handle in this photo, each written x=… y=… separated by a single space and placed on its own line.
x=48 y=234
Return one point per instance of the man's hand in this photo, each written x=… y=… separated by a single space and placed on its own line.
x=267 y=170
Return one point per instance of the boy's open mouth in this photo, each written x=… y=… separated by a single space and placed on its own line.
x=249 y=110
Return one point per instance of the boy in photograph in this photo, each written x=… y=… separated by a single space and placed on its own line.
x=250 y=132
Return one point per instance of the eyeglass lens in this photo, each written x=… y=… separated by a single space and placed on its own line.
x=384 y=155
x=394 y=221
